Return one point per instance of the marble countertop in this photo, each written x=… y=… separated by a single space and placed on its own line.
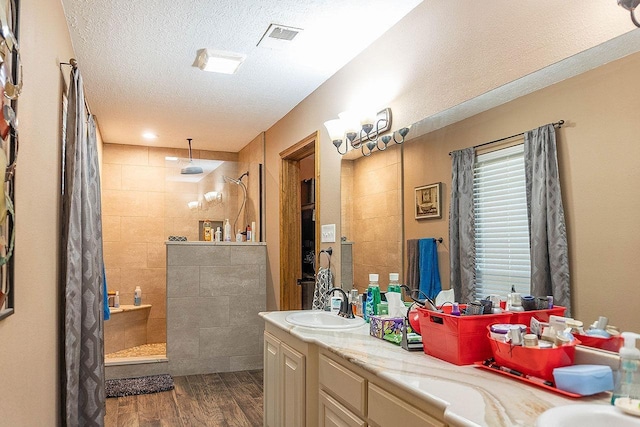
x=469 y=396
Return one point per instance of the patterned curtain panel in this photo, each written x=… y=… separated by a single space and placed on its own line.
x=461 y=226
x=82 y=267
x=547 y=230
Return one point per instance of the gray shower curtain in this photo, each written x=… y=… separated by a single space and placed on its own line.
x=83 y=266
x=462 y=260
x=547 y=230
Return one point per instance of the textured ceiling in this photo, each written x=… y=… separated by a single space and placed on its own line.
x=136 y=60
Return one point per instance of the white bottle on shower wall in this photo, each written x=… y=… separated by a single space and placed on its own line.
x=227 y=231
x=137 y=296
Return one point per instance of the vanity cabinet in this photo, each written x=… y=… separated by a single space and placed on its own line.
x=349 y=396
x=307 y=385
x=342 y=395
x=284 y=384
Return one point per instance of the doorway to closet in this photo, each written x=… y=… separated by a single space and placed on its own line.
x=299 y=219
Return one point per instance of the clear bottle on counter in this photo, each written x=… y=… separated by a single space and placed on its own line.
x=627 y=377
x=116 y=300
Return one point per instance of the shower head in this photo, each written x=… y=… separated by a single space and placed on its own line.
x=235 y=181
x=191 y=169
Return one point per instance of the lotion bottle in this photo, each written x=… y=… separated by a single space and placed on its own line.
x=218 y=235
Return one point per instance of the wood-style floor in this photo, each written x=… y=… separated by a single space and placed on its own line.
x=225 y=399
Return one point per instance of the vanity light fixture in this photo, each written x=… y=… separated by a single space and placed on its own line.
x=631 y=5
x=218 y=61
x=364 y=131
x=193 y=205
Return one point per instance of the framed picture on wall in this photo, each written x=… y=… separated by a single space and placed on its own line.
x=429 y=201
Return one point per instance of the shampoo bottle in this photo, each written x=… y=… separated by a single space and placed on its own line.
x=249 y=233
x=218 y=235
x=227 y=231
x=116 y=300
x=627 y=379
x=137 y=296
x=206 y=227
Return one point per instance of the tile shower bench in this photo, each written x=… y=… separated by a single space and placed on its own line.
x=215 y=291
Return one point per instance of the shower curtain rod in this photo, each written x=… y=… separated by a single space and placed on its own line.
x=74 y=64
x=556 y=124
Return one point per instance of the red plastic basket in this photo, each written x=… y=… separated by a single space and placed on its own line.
x=610 y=344
x=524 y=317
x=534 y=361
x=461 y=340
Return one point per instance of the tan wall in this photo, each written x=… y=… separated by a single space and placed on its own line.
x=374 y=215
x=416 y=81
x=598 y=154
x=252 y=155
x=30 y=338
x=141 y=209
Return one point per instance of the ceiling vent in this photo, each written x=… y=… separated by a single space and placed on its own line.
x=278 y=36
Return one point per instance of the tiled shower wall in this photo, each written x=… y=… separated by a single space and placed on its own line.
x=140 y=209
x=372 y=215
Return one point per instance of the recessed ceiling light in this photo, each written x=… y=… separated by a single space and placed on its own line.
x=149 y=135
x=218 y=61
x=171 y=159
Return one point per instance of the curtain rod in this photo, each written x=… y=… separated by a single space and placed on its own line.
x=558 y=124
x=74 y=64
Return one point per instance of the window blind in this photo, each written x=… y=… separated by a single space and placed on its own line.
x=502 y=232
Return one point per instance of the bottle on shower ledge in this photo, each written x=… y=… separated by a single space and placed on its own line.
x=227 y=231
x=239 y=236
x=137 y=296
x=218 y=235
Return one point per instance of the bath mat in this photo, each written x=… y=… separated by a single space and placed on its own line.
x=142 y=385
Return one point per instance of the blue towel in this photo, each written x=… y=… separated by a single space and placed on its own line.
x=107 y=313
x=429 y=273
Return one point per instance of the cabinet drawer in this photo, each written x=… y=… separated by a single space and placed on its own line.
x=333 y=414
x=343 y=384
x=386 y=410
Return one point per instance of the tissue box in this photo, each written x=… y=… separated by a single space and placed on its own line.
x=379 y=326
x=584 y=379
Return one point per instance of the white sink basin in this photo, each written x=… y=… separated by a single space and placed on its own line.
x=588 y=415
x=323 y=320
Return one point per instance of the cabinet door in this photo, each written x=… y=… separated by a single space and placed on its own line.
x=386 y=410
x=292 y=387
x=333 y=414
x=271 y=381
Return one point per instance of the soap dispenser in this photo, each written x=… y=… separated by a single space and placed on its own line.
x=627 y=380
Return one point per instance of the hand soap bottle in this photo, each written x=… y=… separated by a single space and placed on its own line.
x=627 y=379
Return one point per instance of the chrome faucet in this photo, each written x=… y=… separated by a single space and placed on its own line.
x=345 y=306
